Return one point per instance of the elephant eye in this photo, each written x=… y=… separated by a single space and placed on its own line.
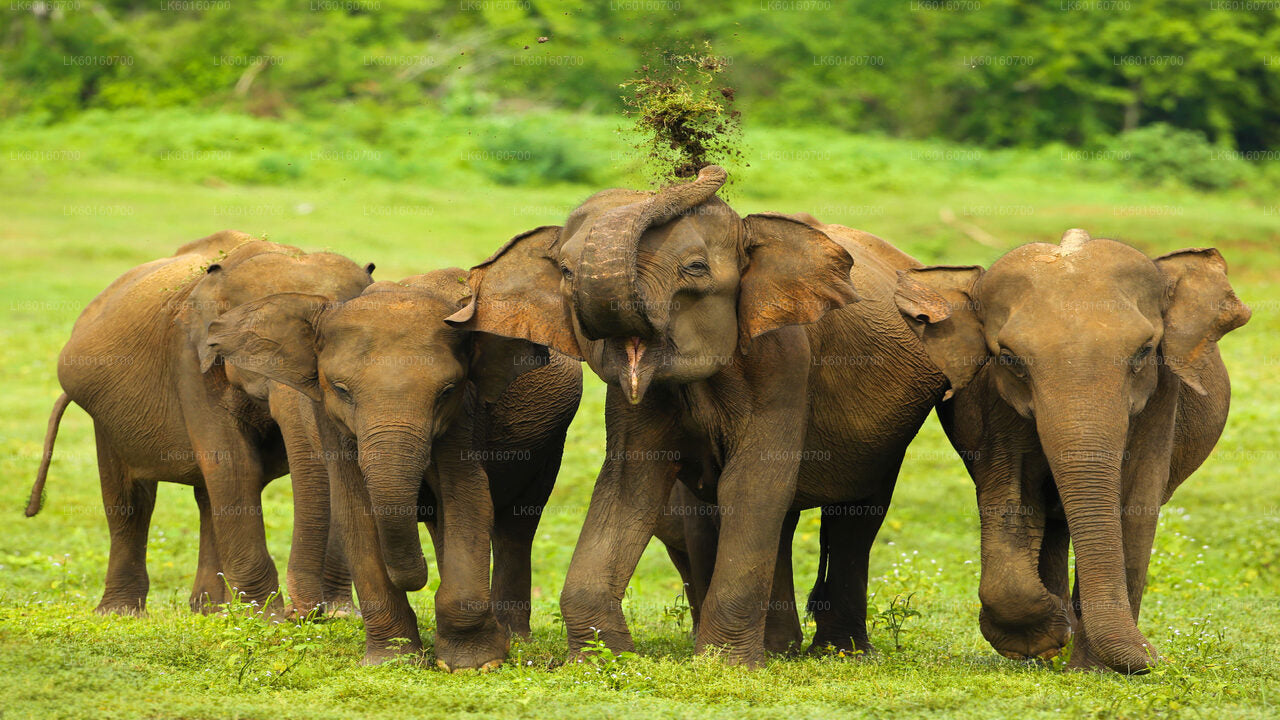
x=697 y=268
x=447 y=390
x=1137 y=362
x=1016 y=364
x=566 y=272
x=342 y=391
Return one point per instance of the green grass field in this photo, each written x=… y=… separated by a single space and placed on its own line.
x=82 y=204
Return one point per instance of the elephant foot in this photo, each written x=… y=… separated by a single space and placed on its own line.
x=472 y=650
x=206 y=601
x=1040 y=639
x=491 y=665
x=378 y=655
x=749 y=657
x=841 y=645
x=116 y=605
x=788 y=644
x=516 y=620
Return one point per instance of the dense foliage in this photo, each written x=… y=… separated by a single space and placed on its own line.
x=997 y=72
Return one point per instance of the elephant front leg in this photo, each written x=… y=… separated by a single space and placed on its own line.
x=209 y=591
x=317 y=570
x=236 y=505
x=467 y=631
x=631 y=489
x=782 y=633
x=1020 y=617
x=755 y=492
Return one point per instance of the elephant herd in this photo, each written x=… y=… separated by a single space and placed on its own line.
x=756 y=367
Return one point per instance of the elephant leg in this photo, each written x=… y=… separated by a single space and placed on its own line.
x=514 y=530
x=754 y=497
x=234 y=495
x=513 y=534
x=840 y=611
x=1055 y=567
x=128 y=505
x=633 y=486
x=782 y=633
x=391 y=627
x=309 y=546
x=467 y=631
x=1022 y=615
x=702 y=537
x=209 y=590
x=337 y=572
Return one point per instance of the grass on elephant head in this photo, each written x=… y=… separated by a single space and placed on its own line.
x=1211 y=606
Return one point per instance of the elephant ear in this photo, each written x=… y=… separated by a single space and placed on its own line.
x=274 y=337
x=516 y=294
x=1200 y=308
x=938 y=305
x=203 y=304
x=795 y=274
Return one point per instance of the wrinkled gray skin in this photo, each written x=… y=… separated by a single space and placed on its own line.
x=419 y=421
x=166 y=409
x=733 y=365
x=1088 y=386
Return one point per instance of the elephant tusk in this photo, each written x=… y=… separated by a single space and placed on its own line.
x=635 y=351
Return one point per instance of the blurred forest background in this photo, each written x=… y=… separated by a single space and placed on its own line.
x=1182 y=88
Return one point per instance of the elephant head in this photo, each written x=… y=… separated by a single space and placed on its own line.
x=664 y=287
x=390 y=374
x=1071 y=337
x=253 y=269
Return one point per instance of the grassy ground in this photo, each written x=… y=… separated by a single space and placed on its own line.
x=74 y=220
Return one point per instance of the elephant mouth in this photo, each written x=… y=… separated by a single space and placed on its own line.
x=637 y=363
x=634 y=364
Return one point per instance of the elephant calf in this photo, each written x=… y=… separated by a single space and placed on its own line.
x=1088 y=386
x=418 y=420
x=164 y=408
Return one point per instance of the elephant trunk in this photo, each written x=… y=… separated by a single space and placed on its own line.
x=1084 y=442
x=394 y=462
x=606 y=295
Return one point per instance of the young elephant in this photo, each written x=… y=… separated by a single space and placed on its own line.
x=693 y=316
x=1088 y=387
x=163 y=408
x=421 y=421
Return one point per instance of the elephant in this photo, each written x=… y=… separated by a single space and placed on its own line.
x=737 y=364
x=165 y=408
x=1087 y=386
x=417 y=421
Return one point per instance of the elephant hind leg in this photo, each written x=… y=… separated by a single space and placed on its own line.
x=209 y=590
x=848 y=532
x=514 y=530
x=337 y=575
x=128 y=505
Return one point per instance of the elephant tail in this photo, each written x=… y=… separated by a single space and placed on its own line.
x=37 y=490
x=818 y=595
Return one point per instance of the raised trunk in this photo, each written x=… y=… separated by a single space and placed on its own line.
x=1084 y=442
x=606 y=296
x=394 y=462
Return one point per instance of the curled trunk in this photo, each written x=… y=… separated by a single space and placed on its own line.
x=607 y=298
